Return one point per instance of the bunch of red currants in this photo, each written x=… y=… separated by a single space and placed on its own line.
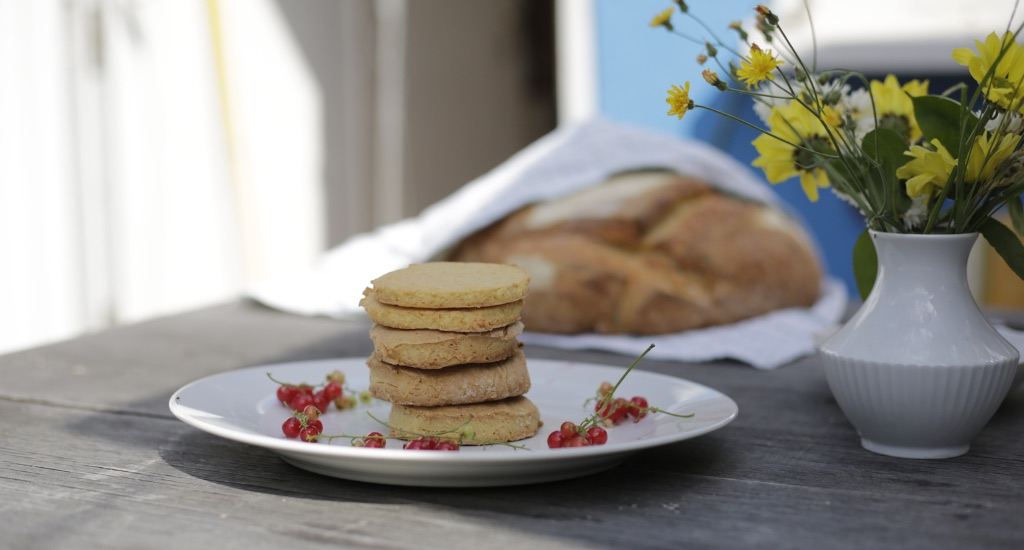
x=305 y=425
x=609 y=411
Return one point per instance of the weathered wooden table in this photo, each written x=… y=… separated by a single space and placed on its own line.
x=91 y=457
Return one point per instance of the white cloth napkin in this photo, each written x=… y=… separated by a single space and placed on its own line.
x=566 y=160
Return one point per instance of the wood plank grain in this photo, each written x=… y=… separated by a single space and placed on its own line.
x=76 y=478
x=89 y=457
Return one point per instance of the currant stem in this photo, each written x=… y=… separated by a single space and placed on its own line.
x=662 y=411
x=286 y=384
x=355 y=437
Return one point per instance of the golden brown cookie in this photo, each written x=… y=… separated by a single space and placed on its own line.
x=442 y=285
x=481 y=319
x=457 y=385
x=435 y=349
x=478 y=424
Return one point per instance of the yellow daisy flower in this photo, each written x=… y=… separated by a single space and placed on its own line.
x=928 y=171
x=679 y=100
x=894 y=107
x=980 y=166
x=758 y=66
x=663 y=19
x=781 y=161
x=1006 y=88
x=832 y=117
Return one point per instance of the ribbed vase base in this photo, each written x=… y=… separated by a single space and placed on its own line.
x=914 y=452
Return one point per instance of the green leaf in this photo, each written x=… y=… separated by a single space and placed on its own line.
x=1016 y=214
x=939 y=117
x=1006 y=243
x=865 y=264
x=885 y=146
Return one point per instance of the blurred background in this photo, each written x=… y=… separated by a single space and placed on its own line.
x=161 y=155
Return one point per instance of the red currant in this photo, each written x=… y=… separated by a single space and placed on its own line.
x=291 y=427
x=597 y=435
x=305 y=388
x=321 y=401
x=285 y=394
x=319 y=426
x=312 y=412
x=638 y=408
x=332 y=390
x=309 y=434
x=576 y=441
x=618 y=410
x=414 y=445
x=613 y=412
x=446 y=446
x=604 y=389
x=568 y=429
x=374 y=440
x=555 y=440
x=300 y=402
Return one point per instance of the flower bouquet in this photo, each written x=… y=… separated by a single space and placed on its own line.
x=918 y=370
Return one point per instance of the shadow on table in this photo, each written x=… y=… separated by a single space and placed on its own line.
x=243 y=467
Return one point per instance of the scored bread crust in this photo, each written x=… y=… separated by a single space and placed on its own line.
x=443 y=285
x=434 y=349
x=663 y=253
x=501 y=421
x=481 y=319
x=457 y=385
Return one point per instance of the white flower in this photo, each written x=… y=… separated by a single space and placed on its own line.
x=857 y=105
x=1014 y=126
x=917 y=213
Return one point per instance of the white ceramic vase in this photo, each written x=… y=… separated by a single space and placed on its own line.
x=918 y=370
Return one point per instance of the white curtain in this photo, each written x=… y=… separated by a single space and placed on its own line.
x=155 y=155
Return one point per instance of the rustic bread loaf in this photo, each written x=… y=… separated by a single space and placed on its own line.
x=648 y=253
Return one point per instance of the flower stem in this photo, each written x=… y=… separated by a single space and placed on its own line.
x=764 y=131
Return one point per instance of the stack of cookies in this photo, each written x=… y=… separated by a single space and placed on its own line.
x=446 y=353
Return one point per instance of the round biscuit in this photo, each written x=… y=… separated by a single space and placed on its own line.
x=502 y=421
x=443 y=285
x=480 y=319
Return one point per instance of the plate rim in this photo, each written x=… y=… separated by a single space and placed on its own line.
x=401 y=455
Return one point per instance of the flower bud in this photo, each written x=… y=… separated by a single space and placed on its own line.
x=683 y=8
x=800 y=74
x=769 y=17
x=711 y=77
x=738 y=27
x=712 y=50
x=702 y=59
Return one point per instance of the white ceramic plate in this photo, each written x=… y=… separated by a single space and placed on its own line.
x=241 y=405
